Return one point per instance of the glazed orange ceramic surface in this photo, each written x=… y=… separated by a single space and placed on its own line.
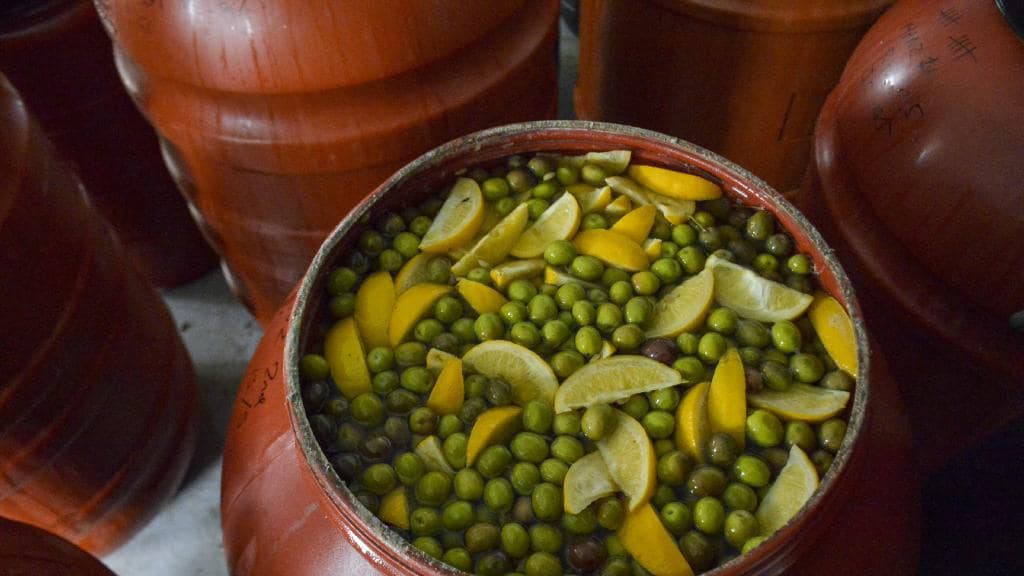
x=98 y=407
x=58 y=57
x=27 y=550
x=279 y=117
x=744 y=79
x=284 y=509
x=917 y=180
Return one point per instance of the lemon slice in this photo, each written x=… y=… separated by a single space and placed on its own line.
x=587 y=480
x=558 y=222
x=410 y=306
x=636 y=225
x=612 y=248
x=429 y=450
x=629 y=456
x=619 y=207
x=436 y=359
x=394 y=509
x=727 y=398
x=496 y=244
x=692 y=427
x=527 y=373
x=674 y=210
x=495 y=426
x=754 y=296
x=645 y=538
x=447 y=394
x=413 y=272
x=556 y=277
x=503 y=274
x=591 y=199
x=652 y=247
x=684 y=307
x=346 y=359
x=481 y=298
x=801 y=402
x=458 y=220
x=607 y=349
x=374 y=301
x=612 y=379
x=794 y=485
x=835 y=329
x=675 y=184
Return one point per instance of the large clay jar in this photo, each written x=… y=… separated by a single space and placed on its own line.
x=744 y=79
x=27 y=550
x=58 y=57
x=284 y=510
x=98 y=406
x=916 y=178
x=279 y=117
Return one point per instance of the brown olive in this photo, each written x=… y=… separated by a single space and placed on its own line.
x=347 y=466
x=522 y=510
x=660 y=349
x=376 y=448
x=586 y=555
x=754 y=381
x=723 y=450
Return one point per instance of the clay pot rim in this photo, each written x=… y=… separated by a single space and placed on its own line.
x=388 y=550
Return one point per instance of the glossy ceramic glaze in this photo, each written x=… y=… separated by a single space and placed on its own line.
x=284 y=509
x=29 y=551
x=744 y=79
x=98 y=407
x=279 y=117
x=917 y=180
x=57 y=56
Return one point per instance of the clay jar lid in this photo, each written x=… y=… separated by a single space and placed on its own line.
x=26 y=549
x=434 y=170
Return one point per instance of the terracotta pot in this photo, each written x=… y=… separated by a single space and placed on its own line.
x=744 y=79
x=28 y=550
x=98 y=407
x=916 y=179
x=57 y=56
x=284 y=509
x=275 y=132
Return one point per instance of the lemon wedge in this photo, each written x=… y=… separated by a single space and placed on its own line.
x=413 y=272
x=496 y=244
x=645 y=538
x=494 y=426
x=587 y=480
x=612 y=379
x=675 y=184
x=835 y=329
x=754 y=296
x=591 y=199
x=629 y=455
x=692 y=427
x=346 y=359
x=374 y=301
x=429 y=450
x=527 y=373
x=556 y=277
x=636 y=224
x=727 y=398
x=684 y=307
x=674 y=210
x=558 y=222
x=652 y=247
x=801 y=402
x=410 y=306
x=612 y=248
x=794 y=485
x=619 y=207
x=503 y=274
x=613 y=162
x=447 y=394
x=481 y=298
x=394 y=509
x=458 y=219
x=436 y=359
